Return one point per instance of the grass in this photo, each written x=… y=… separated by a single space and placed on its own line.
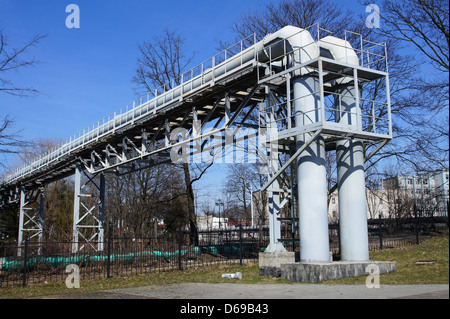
x=408 y=272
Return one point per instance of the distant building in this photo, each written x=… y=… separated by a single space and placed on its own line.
x=429 y=191
x=209 y=222
x=397 y=196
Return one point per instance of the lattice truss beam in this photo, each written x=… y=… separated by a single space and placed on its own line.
x=210 y=129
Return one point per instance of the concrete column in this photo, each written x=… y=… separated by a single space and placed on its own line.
x=311 y=176
x=351 y=181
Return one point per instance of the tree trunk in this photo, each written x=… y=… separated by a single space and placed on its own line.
x=193 y=232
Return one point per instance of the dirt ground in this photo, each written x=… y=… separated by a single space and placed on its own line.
x=268 y=291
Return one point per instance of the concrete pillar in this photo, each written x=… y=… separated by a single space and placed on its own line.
x=351 y=181
x=311 y=175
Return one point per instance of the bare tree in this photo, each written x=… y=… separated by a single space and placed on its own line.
x=139 y=199
x=162 y=60
x=10 y=142
x=423 y=26
x=12 y=60
x=422 y=23
x=301 y=13
x=242 y=179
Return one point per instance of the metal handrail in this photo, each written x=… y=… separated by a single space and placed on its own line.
x=100 y=128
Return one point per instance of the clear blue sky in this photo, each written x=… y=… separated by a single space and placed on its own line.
x=86 y=73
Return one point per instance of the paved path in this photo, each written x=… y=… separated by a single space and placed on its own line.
x=268 y=291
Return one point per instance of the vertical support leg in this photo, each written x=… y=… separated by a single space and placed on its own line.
x=274 y=190
x=351 y=180
x=76 y=208
x=31 y=215
x=21 y=220
x=311 y=176
x=101 y=213
x=89 y=211
x=41 y=218
x=352 y=201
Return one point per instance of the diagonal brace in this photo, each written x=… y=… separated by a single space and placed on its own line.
x=293 y=157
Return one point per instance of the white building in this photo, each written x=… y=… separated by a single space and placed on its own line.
x=397 y=196
x=209 y=222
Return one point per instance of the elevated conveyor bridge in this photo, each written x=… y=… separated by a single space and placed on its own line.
x=252 y=85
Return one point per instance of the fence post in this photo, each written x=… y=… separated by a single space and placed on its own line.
x=381 y=231
x=25 y=263
x=180 y=234
x=416 y=224
x=240 y=243
x=108 y=267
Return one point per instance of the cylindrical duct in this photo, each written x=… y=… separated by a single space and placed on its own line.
x=350 y=160
x=351 y=182
x=311 y=173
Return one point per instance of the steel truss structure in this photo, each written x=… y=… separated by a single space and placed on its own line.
x=31 y=214
x=89 y=210
x=246 y=96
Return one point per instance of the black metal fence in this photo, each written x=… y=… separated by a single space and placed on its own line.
x=395 y=232
x=34 y=262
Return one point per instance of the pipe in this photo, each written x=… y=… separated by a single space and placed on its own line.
x=293 y=46
x=352 y=201
x=85 y=259
x=311 y=176
x=341 y=50
x=350 y=160
x=311 y=172
x=273 y=46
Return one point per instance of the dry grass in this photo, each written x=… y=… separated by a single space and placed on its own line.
x=408 y=272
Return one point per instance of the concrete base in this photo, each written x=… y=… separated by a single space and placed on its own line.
x=316 y=272
x=270 y=262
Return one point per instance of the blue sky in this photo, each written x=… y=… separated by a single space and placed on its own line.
x=85 y=74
